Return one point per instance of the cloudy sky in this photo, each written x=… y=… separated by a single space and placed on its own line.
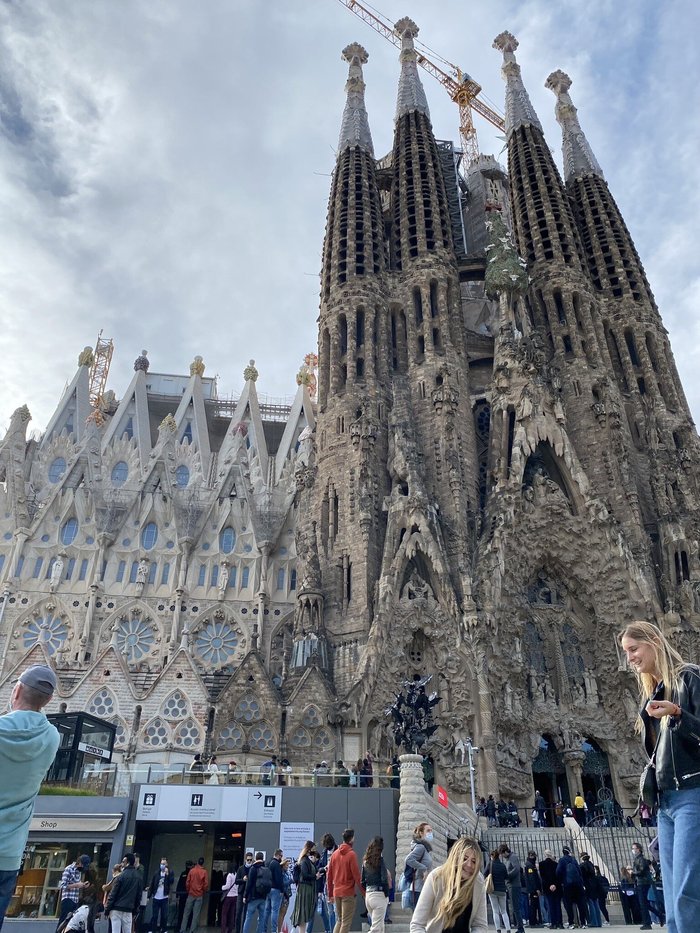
x=164 y=166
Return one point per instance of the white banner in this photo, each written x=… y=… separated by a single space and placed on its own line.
x=201 y=803
x=293 y=836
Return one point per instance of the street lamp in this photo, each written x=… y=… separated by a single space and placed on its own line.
x=471 y=751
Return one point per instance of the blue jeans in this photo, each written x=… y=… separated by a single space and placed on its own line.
x=678 y=821
x=272 y=909
x=594 y=912
x=252 y=907
x=159 y=913
x=8 y=880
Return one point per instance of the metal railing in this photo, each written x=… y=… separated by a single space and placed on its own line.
x=116 y=780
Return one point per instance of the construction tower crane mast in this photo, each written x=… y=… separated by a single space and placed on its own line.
x=461 y=87
x=99 y=370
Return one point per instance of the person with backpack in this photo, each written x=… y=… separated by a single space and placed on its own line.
x=257 y=888
x=376 y=881
x=571 y=881
x=275 y=893
x=419 y=861
x=342 y=879
x=304 y=877
x=241 y=882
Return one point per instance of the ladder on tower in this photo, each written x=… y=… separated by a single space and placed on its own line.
x=450 y=159
x=100 y=370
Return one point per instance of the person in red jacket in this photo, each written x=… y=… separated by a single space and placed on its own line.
x=342 y=879
x=197 y=886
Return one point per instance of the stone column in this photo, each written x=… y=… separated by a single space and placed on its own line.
x=573 y=759
x=412 y=805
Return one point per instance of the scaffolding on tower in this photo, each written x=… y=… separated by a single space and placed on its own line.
x=99 y=370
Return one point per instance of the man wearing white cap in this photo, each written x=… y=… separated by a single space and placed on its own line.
x=28 y=744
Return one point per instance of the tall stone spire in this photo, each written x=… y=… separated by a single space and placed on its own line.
x=411 y=95
x=578 y=155
x=519 y=109
x=354 y=128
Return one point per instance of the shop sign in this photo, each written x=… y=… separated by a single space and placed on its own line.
x=94 y=750
x=200 y=803
x=76 y=823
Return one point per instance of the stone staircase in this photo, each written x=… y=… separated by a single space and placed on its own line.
x=400 y=919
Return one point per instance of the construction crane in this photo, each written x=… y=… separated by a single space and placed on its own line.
x=461 y=87
x=99 y=370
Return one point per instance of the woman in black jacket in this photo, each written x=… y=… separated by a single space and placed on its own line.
x=551 y=889
x=670 y=725
x=499 y=895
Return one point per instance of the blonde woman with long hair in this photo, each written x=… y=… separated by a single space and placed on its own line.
x=453 y=897
x=669 y=721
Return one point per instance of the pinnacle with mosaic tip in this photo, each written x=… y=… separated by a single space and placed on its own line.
x=411 y=95
x=354 y=127
x=578 y=155
x=519 y=109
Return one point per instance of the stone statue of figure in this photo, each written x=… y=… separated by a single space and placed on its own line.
x=142 y=572
x=56 y=573
x=686 y=599
x=223 y=576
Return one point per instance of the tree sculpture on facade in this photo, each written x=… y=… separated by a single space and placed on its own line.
x=412 y=715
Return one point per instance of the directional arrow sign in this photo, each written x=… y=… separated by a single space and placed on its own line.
x=258 y=795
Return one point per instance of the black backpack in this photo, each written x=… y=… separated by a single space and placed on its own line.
x=263 y=882
x=572 y=875
x=296 y=873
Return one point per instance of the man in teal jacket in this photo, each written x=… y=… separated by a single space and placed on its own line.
x=28 y=744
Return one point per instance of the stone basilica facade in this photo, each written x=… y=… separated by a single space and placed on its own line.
x=499 y=471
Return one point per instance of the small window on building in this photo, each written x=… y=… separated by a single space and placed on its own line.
x=38 y=563
x=57 y=469
x=83 y=569
x=182 y=476
x=165 y=574
x=293 y=580
x=149 y=536
x=227 y=540
x=70 y=567
x=69 y=531
x=280 y=579
x=202 y=577
x=152 y=571
x=121 y=570
x=120 y=473
x=245 y=576
x=133 y=573
x=214 y=580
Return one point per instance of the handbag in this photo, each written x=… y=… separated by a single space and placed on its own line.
x=489 y=883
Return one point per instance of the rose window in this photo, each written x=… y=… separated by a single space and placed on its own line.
x=301 y=739
x=248 y=709
x=216 y=642
x=312 y=717
x=156 y=733
x=230 y=737
x=322 y=739
x=261 y=737
x=135 y=638
x=50 y=632
x=175 y=707
x=102 y=704
x=187 y=734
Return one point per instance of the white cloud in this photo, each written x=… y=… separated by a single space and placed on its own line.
x=164 y=166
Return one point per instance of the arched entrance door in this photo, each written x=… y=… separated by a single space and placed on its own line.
x=549 y=774
x=597 y=781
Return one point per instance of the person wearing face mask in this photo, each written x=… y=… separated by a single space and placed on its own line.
x=241 y=881
x=159 y=891
x=453 y=898
x=305 y=878
x=419 y=860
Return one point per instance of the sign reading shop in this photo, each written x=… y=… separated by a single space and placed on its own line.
x=205 y=804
